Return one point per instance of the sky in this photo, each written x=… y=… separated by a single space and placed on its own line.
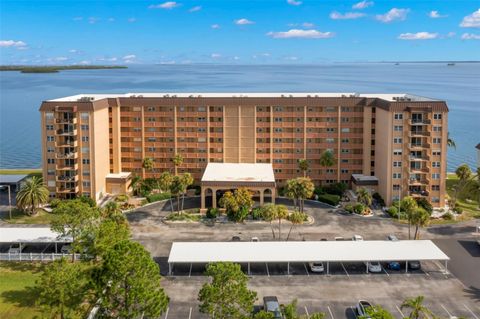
x=237 y=31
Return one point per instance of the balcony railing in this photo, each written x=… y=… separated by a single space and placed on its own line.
x=418 y=145
x=67 y=167
x=66 y=178
x=419 y=158
x=415 y=181
x=420 y=121
x=67 y=189
x=418 y=133
x=67 y=155
x=418 y=193
x=66 y=121
x=67 y=132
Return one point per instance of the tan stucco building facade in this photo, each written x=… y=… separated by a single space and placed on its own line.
x=399 y=138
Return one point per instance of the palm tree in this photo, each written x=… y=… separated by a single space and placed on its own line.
x=177 y=161
x=327 y=159
x=417 y=307
x=420 y=218
x=147 y=164
x=464 y=174
x=32 y=194
x=303 y=165
x=451 y=142
x=135 y=184
x=409 y=206
x=364 y=196
x=296 y=218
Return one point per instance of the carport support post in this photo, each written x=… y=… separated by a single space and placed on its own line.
x=169 y=269
x=367 y=267
x=248 y=268
x=288 y=268
x=446 y=269
x=406 y=266
x=56 y=248
x=328 y=266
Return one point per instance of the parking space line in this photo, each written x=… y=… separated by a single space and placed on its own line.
x=306 y=311
x=345 y=269
x=330 y=311
x=190 y=272
x=190 y=313
x=306 y=269
x=268 y=272
x=470 y=311
x=166 y=313
x=385 y=271
x=399 y=310
x=448 y=312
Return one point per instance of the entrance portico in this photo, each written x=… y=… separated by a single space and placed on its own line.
x=258 y=178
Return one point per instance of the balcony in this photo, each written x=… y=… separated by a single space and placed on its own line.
x=67 y=167
x=66 y=190
x=419 y=170
x=418 y=145
x=71 y=155
x=420 y=122
x=67 y=132
x=418 y=193
x=418 y=134
x=415 y=181
x=419 y=158
x=66 y=120
x=67 y=178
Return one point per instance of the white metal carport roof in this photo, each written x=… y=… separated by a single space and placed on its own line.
x=31 y=235
x=304 y=251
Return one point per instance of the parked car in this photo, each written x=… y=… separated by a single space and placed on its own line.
x=339 y=238
x=392 y=237
x=255 y=239
x=393 y=265
x=66 y=249
x=361 y=309
x=374 y=266
x=316 y=266
x=357 y=238
x=236 y=238
x=271 y=305
x=15 y=249
x=323 y=239
x=414 y=265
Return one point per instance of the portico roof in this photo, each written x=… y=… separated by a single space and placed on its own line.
x=238 y=174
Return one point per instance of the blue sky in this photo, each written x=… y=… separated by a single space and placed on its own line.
x=233 y=31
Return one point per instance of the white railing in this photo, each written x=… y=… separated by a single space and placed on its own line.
x=36 y=256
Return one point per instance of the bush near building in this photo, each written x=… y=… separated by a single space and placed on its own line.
x=329 y=199
x=158 y=197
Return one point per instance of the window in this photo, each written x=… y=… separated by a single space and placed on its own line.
x=151 y=149
x=397 y=164
x=397 y=175
x=329 y=140
x=437 y=128
x=202 y=139
x=344 y=130
x=50 y=160
x=397 y=152
x=278 y=130
x=136 y=119
x=437 y=116
x=278 y=119
x=435 y=200
x=436 y=176
x=345 y=140
x=436 y=153
x=137 y=129
x=86 y=173
x=201 y=109
x=396 y=187
x=345 y=119
x=86 y=183
x=330 y=171
x=49 y=116
x=435 y=187
x=398 y=128
x=84 y=138
x=437 y=140
x=398 y=116
x=50 y=149
x=345 y=161
x=344 y=171
x=50 y=138
x=435 y=164
x=86 y=161
x=137 y=149
x=49 y=127
x=345 y=151
x=151 y=139
x=84 y=116
x=51 y=183
x=397 y=140
x=51 y=172
x=85 y=149
x=150 y=119
x=151 y=108
x=332 y=129
x=84 y=127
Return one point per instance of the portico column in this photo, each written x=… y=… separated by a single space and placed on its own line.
x=214 y=197
x=272 y=190
x=261 y=191
x=202 y=197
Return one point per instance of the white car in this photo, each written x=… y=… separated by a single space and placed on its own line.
x=357 y=238
x=374 y=266
x=15 y=249
x=255 y=239
x=316 y=266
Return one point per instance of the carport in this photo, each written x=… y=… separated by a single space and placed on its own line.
x=304 y=251
x=31 y=235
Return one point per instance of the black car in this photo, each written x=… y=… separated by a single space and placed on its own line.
x=236 y=238
x=414 y=265
x=271 y=305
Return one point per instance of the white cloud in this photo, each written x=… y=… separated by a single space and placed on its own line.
x=114 y=59
x=73 y=51
x=308 y=25
x=346 y=16
x=215 y=55
x=129 y=57
x=243 y=21
x=60 y=59
x=84 y=62
x=132 y=20
x=301 y=34
x=470 y=36
x=236 y=58
x=393 y=15
x=166 y=5
x=291 y=58
x=472 y=20
x=215 y=26
x=93 y=20
x=294 y=2
x=434 y=14
x=450 y=34
x=12 y=44
x=362 y=5
x=195 y=9
x=418 y=36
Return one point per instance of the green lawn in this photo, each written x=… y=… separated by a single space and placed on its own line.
x=470 y=207
x=31 y=172
x=17 y=293
x=19 y=217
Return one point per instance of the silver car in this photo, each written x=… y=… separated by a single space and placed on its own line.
x=361 y=309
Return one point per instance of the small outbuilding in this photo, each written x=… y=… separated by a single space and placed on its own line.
x=257 y=177
x=15 y=182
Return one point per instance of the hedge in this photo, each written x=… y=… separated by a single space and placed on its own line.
x=329 y=199
x=158 y=197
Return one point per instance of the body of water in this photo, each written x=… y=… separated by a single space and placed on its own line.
x=21 y=94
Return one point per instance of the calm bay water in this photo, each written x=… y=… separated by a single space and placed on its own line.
x=22 y=94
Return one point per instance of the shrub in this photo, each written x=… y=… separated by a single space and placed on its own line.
x=329 y=199
x=212 y=212
x=336 y=189
x=359 y=208
x=158 y=197
x=349 y=208
x=378 y=198
x=447 y=216
x=121 y=198
x=54 y=203
x=393 y=211
x=238 y=216
x=281 y=191
x=458 y=210
x=88 y=200
x=425 y=204
x=257 y=213
x=319 y=190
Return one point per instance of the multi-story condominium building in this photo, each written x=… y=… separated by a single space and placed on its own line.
x=91 y=142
